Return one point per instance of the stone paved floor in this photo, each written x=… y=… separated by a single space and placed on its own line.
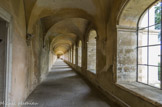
x=64 y=88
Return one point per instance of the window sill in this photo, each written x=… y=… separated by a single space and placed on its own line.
x=92 y=71
x=148 y=93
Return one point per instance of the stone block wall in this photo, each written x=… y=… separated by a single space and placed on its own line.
x=126 y=54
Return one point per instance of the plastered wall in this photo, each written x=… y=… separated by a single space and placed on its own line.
x=26 y=60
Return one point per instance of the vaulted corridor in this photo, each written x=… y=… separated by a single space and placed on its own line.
x=64 y=88
x=80 y=53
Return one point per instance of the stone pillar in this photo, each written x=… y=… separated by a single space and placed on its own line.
x=74 y=54
x=80 y=54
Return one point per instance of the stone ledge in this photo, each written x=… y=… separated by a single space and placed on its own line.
x=92 y=71
x=107 y=94
x=147 y=93
x=126 y=28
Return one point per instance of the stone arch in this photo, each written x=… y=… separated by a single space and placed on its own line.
x=132 y=11
x=66 y=40
x=91 y=51
x=58 y=15
x=59 y=29
x=72 y=28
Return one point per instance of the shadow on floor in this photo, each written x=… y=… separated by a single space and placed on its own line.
x=65 y=88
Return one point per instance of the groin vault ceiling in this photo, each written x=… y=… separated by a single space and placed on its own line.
x=64 y=21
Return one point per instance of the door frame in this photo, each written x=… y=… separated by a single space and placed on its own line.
x=8 y=75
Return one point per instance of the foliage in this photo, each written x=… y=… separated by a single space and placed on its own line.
x=158 y=16
x=158 y=10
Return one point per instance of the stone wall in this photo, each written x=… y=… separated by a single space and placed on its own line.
x=30 y=64
x=126 y=54
x=52 y=60
x=116 y=53
x=80 y=54
x=26 y=59
x=91 y=51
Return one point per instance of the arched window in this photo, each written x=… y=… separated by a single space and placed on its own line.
x=91 y=51
x=80 y=53
x=149 y=48
x=139 y=43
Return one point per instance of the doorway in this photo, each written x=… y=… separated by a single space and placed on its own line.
x=3 y=58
